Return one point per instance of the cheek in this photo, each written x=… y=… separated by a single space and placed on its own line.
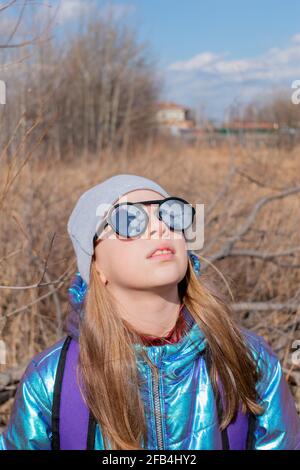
x=119 y=259
x=182 y=255
x=181 y=248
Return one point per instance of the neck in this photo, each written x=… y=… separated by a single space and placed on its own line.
x=152 y=312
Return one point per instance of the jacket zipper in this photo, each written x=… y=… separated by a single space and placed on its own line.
x=158 y=417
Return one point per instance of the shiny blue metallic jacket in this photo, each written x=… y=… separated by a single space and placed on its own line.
x=183 y=396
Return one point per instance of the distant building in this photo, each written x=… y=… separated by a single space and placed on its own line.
x=174 y=116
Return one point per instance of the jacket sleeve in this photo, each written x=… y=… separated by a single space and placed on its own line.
x=29 y=427
x=278 y=428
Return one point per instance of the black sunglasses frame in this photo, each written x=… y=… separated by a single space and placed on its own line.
x=107 y=220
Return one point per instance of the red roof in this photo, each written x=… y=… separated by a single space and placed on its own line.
x=252 y=125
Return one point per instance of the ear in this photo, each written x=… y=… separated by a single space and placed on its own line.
x=101 y=275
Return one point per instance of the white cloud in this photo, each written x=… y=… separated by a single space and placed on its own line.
x=71 y=10
x=215 y=79
x=199 y=61
x=296 y=38
x=278 y=61
x=117 y=11
x=63 y=11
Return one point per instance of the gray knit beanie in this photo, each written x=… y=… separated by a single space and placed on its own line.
x=85 y=217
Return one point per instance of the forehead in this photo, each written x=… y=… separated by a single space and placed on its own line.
x=140 y=195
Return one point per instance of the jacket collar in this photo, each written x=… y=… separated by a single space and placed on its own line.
x=185 y=350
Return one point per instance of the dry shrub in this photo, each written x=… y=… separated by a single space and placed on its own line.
x=228 y=180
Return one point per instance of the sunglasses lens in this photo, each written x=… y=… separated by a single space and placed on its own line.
x=177 y=214
x=129 y=220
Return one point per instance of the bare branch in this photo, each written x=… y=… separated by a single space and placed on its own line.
x=261 y=254
x=227 y=248
x=17 y=23
x=223 y=191
x=258 y=183
x=264 y=306
x=30 y=42
x=4 y=7
x=63 y=278
x=34 y=286
x=268 y=256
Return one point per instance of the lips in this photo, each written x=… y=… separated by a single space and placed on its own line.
x=162 y=247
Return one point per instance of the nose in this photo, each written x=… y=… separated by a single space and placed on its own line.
x=156 y=228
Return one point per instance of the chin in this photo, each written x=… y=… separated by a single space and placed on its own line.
x=166 y=278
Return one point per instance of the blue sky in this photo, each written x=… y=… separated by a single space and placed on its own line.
x=216 y=52
x=180 y=30
x=212 y=53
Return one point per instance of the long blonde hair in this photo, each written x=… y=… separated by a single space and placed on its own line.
x=107 y=360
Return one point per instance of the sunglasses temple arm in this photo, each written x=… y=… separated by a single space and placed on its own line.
x=100 y=230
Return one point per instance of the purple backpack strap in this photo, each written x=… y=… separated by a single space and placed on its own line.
x=70 y=431
x=238 y=435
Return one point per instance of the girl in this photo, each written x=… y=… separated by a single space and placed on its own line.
x=161 y=363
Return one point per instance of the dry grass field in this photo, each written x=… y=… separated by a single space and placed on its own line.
x=252 y=239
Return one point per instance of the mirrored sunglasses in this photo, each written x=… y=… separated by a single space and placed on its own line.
x=130 y=219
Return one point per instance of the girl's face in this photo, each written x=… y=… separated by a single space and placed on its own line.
x=124 y=262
